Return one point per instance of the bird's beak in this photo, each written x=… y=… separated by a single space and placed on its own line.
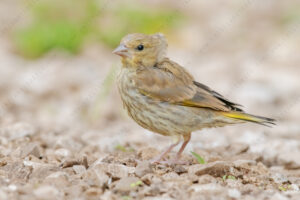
x=121 y=50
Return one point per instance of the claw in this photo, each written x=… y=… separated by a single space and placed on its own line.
x=174 y=162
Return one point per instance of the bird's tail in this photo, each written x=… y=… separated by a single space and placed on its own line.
x=250 y=118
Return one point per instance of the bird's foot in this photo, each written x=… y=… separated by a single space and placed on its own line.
x=156 y=160
x=170 y=162
x=175 y=162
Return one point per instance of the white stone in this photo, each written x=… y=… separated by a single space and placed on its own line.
x=79 y=169
x=206 y=187
x=19 y=130
x=62 y=153
x=234 y=193
x=12 y=187
x=294 y=187
x=116 y=170
x=46 y=192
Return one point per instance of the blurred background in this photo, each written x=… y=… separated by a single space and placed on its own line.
x=57 y=72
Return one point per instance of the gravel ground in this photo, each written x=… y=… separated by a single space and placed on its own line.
x=64 y=134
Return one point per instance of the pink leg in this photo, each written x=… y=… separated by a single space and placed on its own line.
x=186 y=138
x=177 y=160
x=159 y=159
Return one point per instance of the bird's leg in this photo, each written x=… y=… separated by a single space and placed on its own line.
x=159 y=158
x=186 y=138
x=177 y=160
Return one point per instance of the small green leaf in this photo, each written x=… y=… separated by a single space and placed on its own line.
x=231 y=177
x=120 y=148
x=123 y=148
x=198 y=157
x=139 y=182
x=281 y=188
x=228 y=177
x=224 y=177
x=126 y=197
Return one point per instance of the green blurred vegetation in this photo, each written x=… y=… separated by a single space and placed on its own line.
x=137 y=18
x=292 y=15
x=67 y=24
x=56 y=25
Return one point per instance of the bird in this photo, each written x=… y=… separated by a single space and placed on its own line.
x=163 y=97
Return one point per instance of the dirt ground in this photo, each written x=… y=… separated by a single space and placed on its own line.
x=64 y=134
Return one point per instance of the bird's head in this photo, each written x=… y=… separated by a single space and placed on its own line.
x=141 y=50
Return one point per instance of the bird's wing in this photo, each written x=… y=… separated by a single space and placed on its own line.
x=169 y=82
x=230 y=106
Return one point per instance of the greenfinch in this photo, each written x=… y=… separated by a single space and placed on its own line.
x=161 y=96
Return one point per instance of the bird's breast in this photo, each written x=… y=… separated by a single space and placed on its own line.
x=157 y=116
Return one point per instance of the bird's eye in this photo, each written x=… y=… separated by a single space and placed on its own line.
x=140 y=47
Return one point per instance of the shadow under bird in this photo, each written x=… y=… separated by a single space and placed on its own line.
x=161 y=96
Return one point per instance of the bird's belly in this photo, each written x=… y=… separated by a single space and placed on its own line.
x=160 y=117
